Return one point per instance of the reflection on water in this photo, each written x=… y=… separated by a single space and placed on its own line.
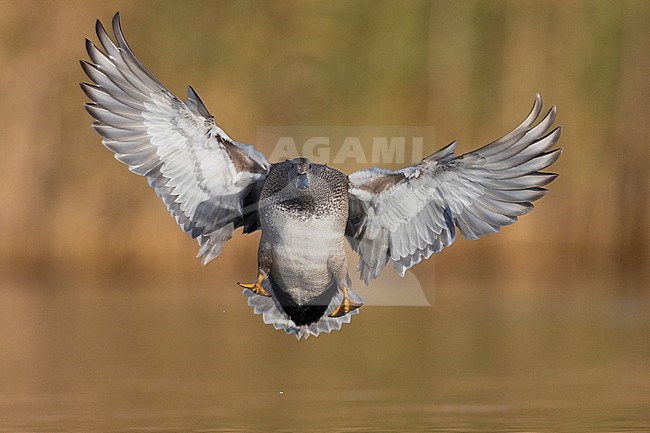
x=158 y=359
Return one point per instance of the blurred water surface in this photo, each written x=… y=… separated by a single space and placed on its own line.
x=108 y=323
x=118 y=357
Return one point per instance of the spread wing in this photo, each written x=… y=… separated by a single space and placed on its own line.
x=209 y=182
x=406 y=215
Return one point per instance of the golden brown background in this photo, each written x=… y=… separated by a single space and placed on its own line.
x=470 y=71
x=108 y=323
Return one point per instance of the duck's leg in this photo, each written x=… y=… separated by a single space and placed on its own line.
x=256 y=287
x=346 y=305
x=338 y=266
x=264 y=257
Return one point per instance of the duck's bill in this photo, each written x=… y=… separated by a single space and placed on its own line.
x=302 y=181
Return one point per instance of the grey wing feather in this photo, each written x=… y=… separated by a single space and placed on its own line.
x=209 y=182
x=407 y=215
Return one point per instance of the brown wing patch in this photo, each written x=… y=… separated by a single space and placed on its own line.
x=240 y=160
x=382 y=183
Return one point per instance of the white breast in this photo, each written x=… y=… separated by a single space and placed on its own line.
x=301 y=250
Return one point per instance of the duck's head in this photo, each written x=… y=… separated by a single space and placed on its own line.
x=301 y=172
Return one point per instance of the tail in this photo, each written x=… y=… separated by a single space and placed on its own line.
x=272 y=313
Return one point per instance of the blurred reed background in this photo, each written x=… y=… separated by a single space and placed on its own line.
x=469 y=69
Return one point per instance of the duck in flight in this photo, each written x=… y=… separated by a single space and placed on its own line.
x=212 y=185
